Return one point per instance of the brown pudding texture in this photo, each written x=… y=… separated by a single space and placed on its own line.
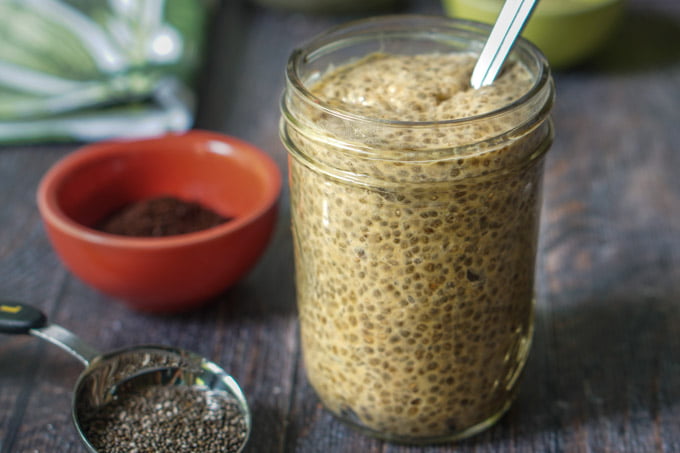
x=415 y=280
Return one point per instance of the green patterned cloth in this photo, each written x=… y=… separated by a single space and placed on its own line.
x=94 y=69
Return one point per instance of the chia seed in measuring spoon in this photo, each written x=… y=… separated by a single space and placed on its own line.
x=144 y=398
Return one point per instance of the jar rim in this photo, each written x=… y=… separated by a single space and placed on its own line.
x=413 y=25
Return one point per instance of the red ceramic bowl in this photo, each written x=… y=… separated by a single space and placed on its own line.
x=171 y=273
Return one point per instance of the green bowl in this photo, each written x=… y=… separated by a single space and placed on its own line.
x=567 y=31
x=328 y=6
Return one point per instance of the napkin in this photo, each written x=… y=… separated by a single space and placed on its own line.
x=88 y=70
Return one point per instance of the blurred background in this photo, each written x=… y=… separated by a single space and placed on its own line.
x=89 y=70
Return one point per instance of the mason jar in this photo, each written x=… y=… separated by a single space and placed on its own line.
x=415 y=205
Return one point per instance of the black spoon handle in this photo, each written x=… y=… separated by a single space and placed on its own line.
x=19 y=318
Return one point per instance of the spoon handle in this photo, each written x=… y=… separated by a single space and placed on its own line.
x=67 y=341
x=509 y=24
x=18 y=318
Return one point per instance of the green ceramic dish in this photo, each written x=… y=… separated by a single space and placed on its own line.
x=567 y=31
x=329 y=6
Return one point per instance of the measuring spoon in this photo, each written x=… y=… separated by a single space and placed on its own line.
x=115 y=375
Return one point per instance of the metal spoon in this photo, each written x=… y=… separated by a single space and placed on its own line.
x=509 y=24
x=115 y=375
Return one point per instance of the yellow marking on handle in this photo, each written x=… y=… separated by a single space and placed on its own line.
x=10 y=309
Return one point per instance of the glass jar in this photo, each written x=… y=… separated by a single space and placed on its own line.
x=415 y=240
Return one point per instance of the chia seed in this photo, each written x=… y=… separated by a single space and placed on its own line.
x=166 y=419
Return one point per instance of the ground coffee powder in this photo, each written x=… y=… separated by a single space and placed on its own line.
x=161 y=216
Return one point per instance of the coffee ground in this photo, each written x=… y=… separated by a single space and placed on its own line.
x=161 y=216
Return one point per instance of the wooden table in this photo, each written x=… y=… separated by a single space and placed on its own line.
x=604 y=373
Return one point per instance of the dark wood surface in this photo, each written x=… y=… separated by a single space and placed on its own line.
x=604 y=373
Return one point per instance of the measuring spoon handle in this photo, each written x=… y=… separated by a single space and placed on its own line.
x=18 y=318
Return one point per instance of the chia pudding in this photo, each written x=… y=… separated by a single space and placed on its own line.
x=415 y=221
